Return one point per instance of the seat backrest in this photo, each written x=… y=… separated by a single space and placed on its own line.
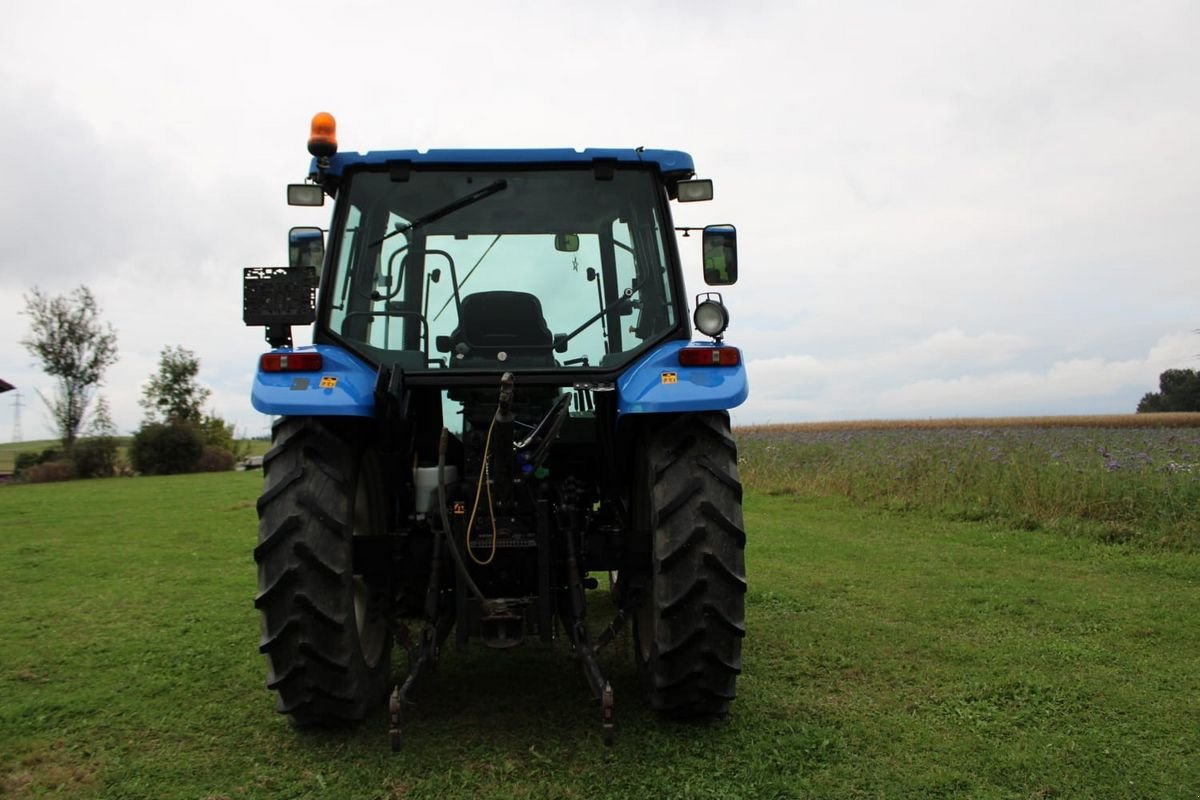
x=502 y=320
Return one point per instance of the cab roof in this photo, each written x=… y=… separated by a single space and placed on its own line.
x=666 y=161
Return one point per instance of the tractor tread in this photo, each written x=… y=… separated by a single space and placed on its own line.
x=277 y=536
x=305 y=552
x=690 y=657
x=310 y=636
x=688 y=594
x=682 y=549
x=736 y=580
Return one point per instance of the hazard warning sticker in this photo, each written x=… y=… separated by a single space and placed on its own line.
x=328 y=382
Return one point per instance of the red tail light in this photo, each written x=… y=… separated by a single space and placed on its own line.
x=290 y=362
x=710 y=357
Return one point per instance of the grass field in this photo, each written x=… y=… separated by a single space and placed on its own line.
x=1133 y=479
x=891 y=653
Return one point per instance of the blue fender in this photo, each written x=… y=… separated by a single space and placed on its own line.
x=658 y=383
x=343 y=387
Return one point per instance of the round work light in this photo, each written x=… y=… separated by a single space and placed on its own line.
x=711 y=318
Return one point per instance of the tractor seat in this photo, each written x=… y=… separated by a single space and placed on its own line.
x=504 y=322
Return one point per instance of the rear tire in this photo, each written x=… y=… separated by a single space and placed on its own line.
x=325 y=631
x=689 y=626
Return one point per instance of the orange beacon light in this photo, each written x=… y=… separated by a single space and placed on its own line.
x=322 y=141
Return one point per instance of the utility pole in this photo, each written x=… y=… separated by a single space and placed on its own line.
x=16 y=432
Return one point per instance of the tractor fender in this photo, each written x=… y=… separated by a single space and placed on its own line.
x=343 y=386
x=657 y=383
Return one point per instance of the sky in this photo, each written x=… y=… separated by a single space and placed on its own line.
x=944 y=209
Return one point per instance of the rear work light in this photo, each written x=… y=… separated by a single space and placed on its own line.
x=710 y=357
x=290 y=362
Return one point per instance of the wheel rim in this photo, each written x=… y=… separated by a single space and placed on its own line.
x=368 y=610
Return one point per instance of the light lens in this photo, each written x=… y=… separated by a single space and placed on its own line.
x=710 y=357
x=693 y=191
x=291 y=362
x=305 y=194
x=711 y=318
x=322 y=139
x=324 y=128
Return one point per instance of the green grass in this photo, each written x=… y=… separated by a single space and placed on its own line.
x=1116 y=484
x=889 y=655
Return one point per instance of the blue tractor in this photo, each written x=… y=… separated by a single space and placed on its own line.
x=502 y=401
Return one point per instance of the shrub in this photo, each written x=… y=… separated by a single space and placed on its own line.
x=166 y=449
x=217 y=432
x=215 y=459
x=26 y=460
x=48 y=472
x=95 y=457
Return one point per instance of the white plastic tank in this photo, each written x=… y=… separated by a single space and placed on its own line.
x=426 y=481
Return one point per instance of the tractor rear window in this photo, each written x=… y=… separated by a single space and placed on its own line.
x=500 y=269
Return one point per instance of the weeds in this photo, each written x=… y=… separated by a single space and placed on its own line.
x=1137 y=485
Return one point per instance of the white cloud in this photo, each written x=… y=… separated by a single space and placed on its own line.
x=910 y=383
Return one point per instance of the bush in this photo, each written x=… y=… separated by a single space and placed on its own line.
x=215 y=459
x=26 y=460
x=169 y=449
x=48 y=472
x=217 y=432
x=95 y=458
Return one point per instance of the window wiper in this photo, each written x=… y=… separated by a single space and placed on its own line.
x=433 y=216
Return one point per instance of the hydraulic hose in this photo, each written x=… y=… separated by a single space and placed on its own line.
x=463 y=572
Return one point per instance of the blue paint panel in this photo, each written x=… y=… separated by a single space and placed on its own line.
x=647 y=387
x=665 y=160
x=301 y=393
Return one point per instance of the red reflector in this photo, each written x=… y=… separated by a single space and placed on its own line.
x=710 y=357
x=291 y=362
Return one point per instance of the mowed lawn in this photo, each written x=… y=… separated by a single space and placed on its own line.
x=890 y=654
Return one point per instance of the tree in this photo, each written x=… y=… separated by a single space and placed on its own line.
x=95 y=454
x=177 y=436
x=1179 y=390
x=216 y=432
x=173 y=394
x=68 y=338
x=166 y=448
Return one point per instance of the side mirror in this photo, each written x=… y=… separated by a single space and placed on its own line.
x=719 y=244
x=306 y=247
x=566 y=242
x=305 y=194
